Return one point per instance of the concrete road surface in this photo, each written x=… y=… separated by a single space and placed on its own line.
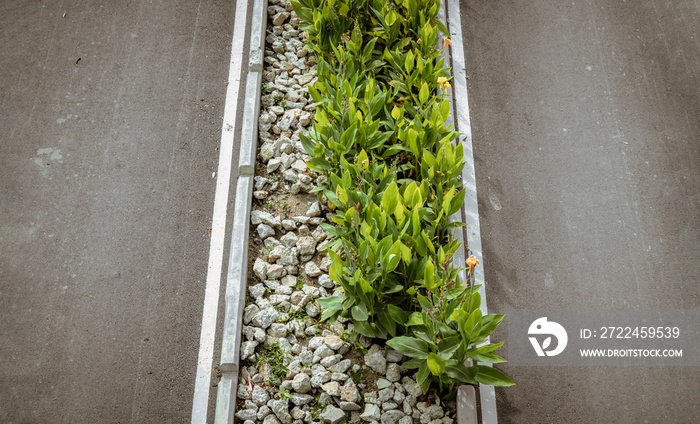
x=110 y=119
x=586 y=129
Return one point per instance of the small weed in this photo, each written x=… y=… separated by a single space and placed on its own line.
x=284 y=394
x=265 y=89
x=300 y=283
x=270 y=204
x=275 y=357
x=299 y=314
x=359 y=376
x=285 y=205
x=317 y=410
x=267 y=250
x=273 y=177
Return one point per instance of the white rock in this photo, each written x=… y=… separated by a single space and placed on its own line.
x=314 y=210
x=248 y=349
x=392 y=417
x=312 y=310
x=249 y=313
x=256 y=290
x=278 y=330
x=332 y=388
x=306 y=245
x=279 y=18
x=289 y=239
x=289 y=256
x=276 y=271
x=311 y=269
x=265 y=318
x=273 y=165
x=288 y=225
x=260 y=269
x=371 y=413
x=301 y=383
x=299 y=166
x=267 y=152
x=333 y=415
x=275 y=253
x=341 y=366
x=325 y=281
x=265 y=231
x=393 y=372
x=259 y=396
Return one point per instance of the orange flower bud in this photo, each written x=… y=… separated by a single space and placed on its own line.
x=472 y=262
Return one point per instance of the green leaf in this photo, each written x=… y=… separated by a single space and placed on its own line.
x=307 y=144
x=390 y=198
x=416 y=318
x=460 y=373
x=422 y=377
x=412 y=364
x=359 y=312
x=410 y=346
x=489 y=323
x=330 y=302
x=457 y=202
x=397 y=314
x=424 y=93
x=409 y=62
x=429 y=276
x=490 y=376
x=387 y=323
x=472 y=326
x=363 y=328
x=490 y=358
x=445 y=109
x=436 y=364
x=406 y=254
x=424 y=303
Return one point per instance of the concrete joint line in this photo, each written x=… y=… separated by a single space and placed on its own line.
x=471 y=234
x=237 y=276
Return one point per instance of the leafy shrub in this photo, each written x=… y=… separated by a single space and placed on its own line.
x=391 y=173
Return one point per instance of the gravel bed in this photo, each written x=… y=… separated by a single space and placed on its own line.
x=296 y=369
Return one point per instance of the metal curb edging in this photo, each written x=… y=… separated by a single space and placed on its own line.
x=466 y=396
x=236 y=279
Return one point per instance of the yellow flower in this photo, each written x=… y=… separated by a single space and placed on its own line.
x=446 y=42
x=444 y=84
x=472 y=262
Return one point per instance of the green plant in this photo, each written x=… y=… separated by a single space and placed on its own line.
x=317 y=409
x=275 y=357
x=285 y=205
x=391 y=173
x=283 y=393
x=358 y=376
x=299 y=314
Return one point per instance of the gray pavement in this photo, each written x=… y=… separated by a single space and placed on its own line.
x=110 y=121
x=586 y=132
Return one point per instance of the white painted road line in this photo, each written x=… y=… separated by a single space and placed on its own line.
x=218 y=233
